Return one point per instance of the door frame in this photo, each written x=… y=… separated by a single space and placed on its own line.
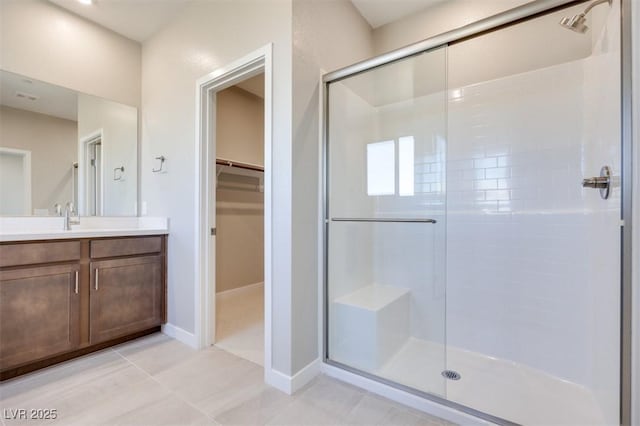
x=26 y=174
x=83 y=177
x=257 y=62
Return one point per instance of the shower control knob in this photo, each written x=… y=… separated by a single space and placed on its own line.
x=596 y=182
x=602 y=182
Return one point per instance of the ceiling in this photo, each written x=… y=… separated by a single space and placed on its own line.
x=134 y=19
x=381 y=12
x=140 y=19
x=49 y=99
x=253 y=85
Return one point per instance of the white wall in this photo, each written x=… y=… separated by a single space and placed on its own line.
x=42 y=41
x=206 y=36
x=119 y=126
x=327 y=35
x=53 y=145
x=435 y=20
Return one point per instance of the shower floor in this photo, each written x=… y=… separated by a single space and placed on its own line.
x=498 y=387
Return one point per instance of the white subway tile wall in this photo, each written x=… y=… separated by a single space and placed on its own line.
x=532 y=257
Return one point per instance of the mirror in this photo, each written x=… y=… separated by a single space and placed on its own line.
x=59 y=146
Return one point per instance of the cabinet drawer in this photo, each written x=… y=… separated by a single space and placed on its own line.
x=125 y=246
x=34 y=253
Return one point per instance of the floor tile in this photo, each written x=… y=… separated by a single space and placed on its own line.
x=204 y=375
x=156 y=380
x=240 y=322
x=332 y=396
x=370 y=410
x=259 y=409
x=78 y=397
x=59 y=378
x=156 y=353
x=126 y=403
x=167 y=411
x=240 y=389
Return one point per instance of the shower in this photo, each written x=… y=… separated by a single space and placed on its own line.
x=577 y=22
x=448 y=274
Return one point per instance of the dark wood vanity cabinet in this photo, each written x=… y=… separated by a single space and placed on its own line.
x=39 y=313
x=126 y=296
x=61 y=299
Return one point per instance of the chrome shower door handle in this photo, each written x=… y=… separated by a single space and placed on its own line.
x=602 y=182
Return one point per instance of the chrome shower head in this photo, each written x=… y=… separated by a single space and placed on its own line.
x=577 y=23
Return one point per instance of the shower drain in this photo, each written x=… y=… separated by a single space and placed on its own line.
x=451 y=375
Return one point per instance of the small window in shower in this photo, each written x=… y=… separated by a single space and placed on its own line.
x=405 y=166
x=381 y=171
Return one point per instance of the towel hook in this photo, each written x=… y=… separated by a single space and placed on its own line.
x=162 y=160
x=115 y=173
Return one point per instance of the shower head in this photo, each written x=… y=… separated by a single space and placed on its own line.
x=578 y=23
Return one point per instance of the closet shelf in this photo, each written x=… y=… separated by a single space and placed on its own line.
x=239 y=165
x=242 y=169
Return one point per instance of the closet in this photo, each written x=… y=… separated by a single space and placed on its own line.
x=239 y=252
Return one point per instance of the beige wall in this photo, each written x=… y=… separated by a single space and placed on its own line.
x=240 y=126
x=53 y=146
x=240 y=234
x=42 y=41
x=239 y=206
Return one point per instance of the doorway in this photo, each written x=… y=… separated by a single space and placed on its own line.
x=92 y=174
x=239 y=219
x=15 y=182
x=207 y=88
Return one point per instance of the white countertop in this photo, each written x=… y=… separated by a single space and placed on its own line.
x=51 y=228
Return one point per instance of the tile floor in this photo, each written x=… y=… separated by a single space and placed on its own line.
x=240 y=322
x=156 y=380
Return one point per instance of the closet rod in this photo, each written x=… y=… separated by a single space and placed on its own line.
x=224 y=162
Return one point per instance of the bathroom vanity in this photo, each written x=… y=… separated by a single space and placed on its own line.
x=72 y=285
x=65 y=294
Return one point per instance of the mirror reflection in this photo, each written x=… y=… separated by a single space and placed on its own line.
x=59 y=147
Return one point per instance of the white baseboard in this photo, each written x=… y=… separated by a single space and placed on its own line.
x=406 y=398
x=237 y=289
x=180 y=335
x=291 y=384
x=278 y=380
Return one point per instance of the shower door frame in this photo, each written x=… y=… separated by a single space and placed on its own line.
x=490 y=24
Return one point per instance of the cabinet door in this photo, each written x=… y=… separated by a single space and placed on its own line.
x=126 y=296
x=39 y=313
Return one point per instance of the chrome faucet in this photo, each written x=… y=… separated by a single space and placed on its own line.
x=68 y=213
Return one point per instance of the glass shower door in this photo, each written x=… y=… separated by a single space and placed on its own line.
x=533 y=258
x=386 y=222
